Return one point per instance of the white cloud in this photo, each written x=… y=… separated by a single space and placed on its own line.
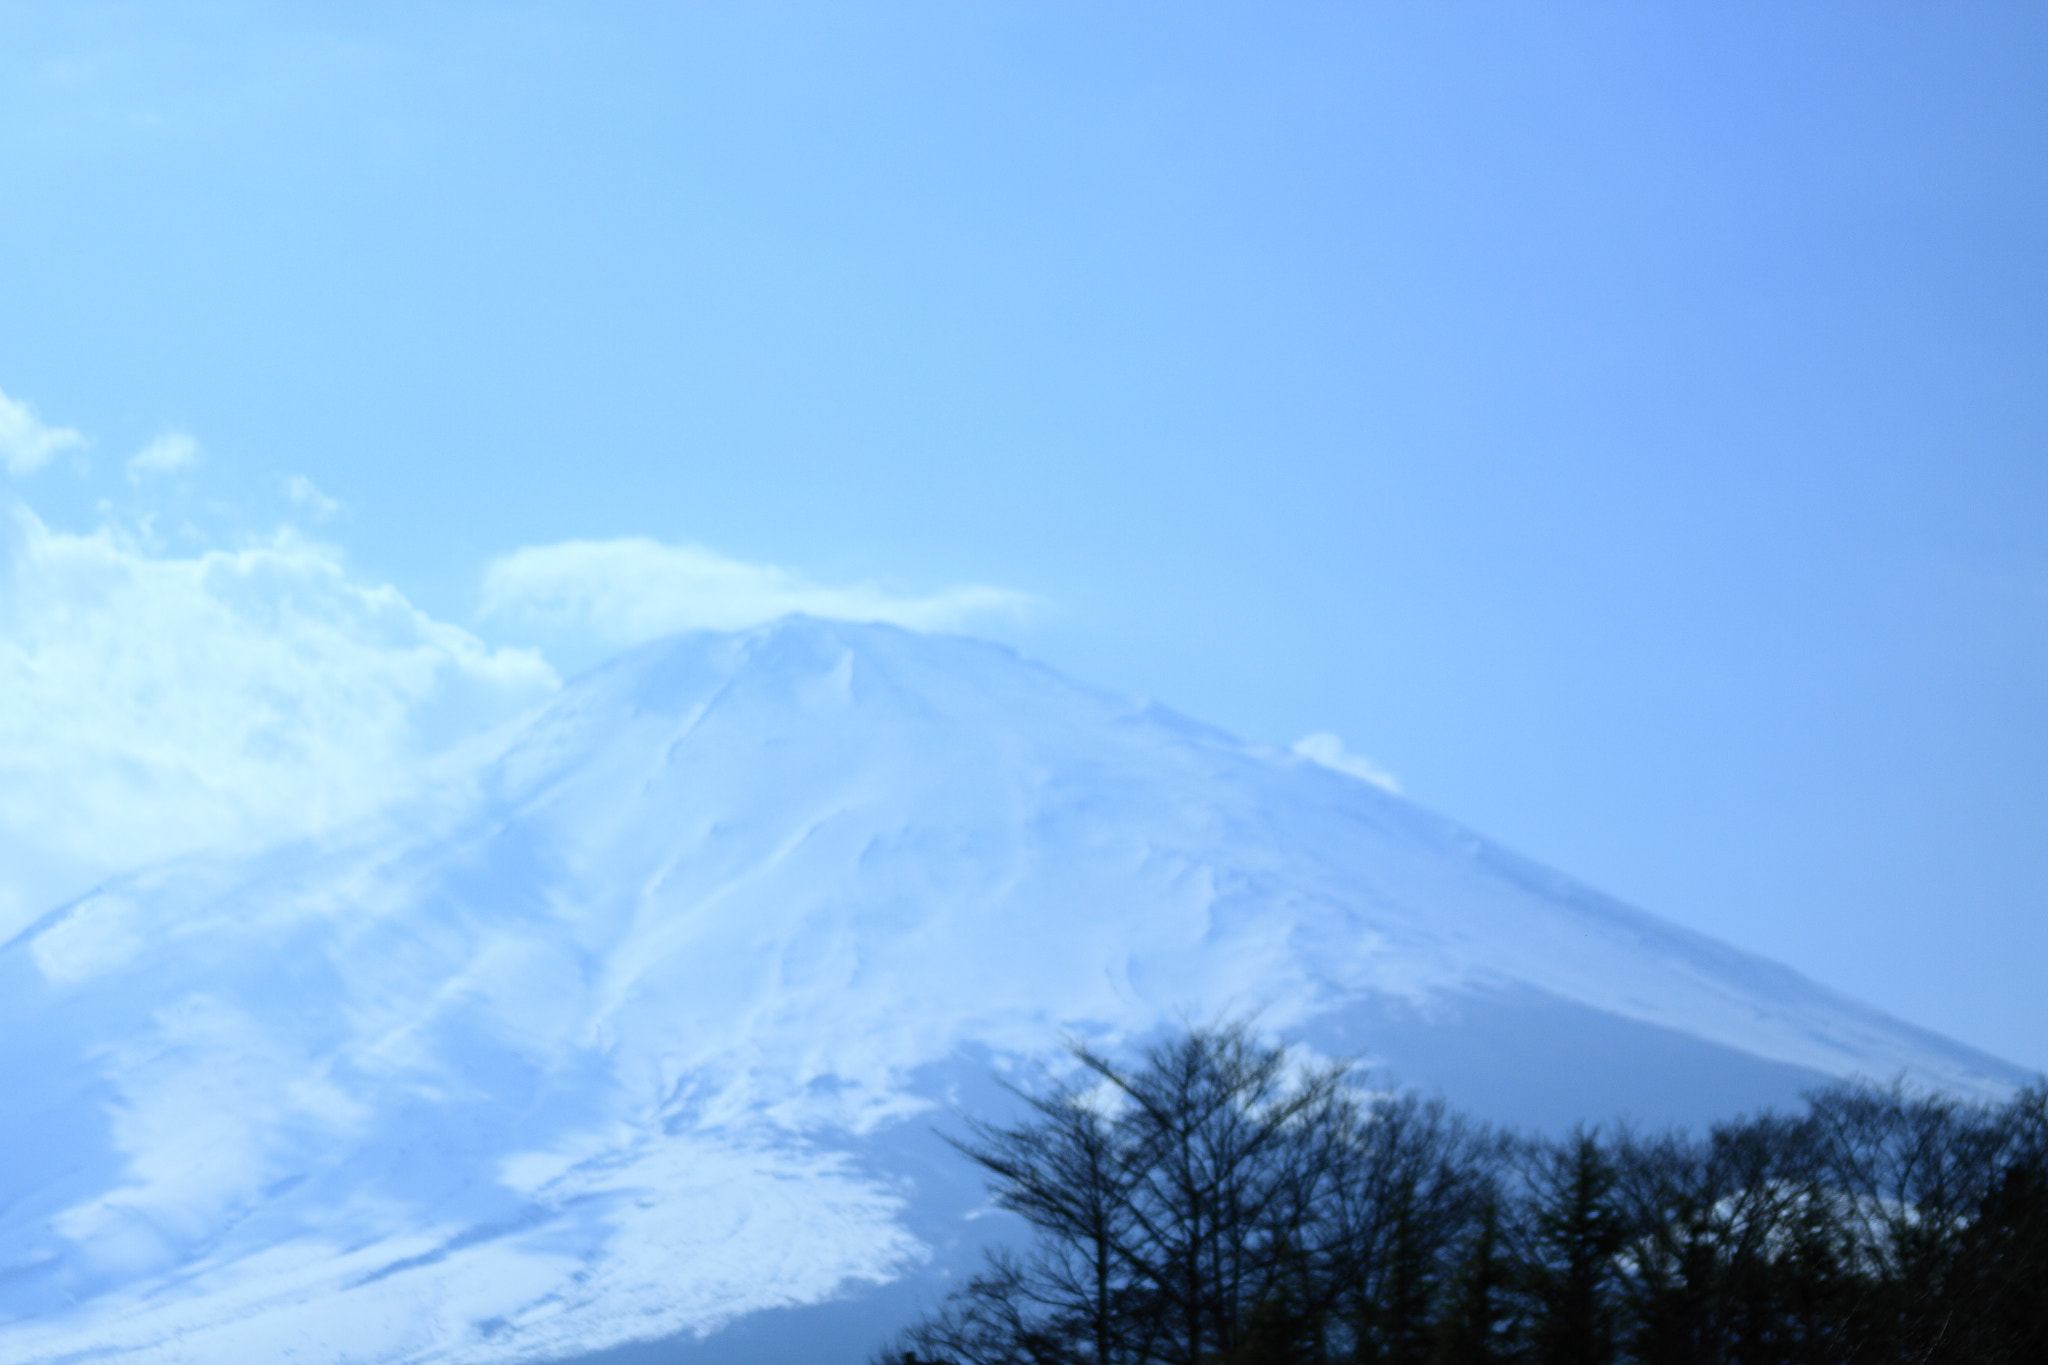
x=621 y=592
x=150 y=704
x=304 y=493
x=26 y=445
x=1328 y=750
x=167 y=454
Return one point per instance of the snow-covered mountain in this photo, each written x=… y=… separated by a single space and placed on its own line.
x=640 y=1028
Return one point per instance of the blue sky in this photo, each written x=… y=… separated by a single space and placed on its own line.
x=1628 y=425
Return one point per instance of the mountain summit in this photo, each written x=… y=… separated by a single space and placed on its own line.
x=635 y=1030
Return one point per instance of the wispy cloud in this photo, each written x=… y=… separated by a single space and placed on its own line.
x=621 y=592
x=307 y=495
x=1328 y=750
x=151 y=704
x=167 y=454
x=26 y=445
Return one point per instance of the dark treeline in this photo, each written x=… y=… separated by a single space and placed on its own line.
x=1219 y=1205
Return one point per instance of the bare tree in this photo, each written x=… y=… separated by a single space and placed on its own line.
x=1176 y=1205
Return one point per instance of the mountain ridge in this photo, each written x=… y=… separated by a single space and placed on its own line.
x=625 y=1032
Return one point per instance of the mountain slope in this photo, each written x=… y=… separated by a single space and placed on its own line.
x=637 y=1030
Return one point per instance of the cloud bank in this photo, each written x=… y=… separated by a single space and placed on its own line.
x=157 y=699
x=622 y=592
x=26 y=445
x=153 y=704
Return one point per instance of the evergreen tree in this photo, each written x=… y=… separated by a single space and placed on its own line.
x=1572 y=1231
x=2002 y=1277
x=1470 y=1330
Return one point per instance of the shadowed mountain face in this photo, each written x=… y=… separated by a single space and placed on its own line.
x=641 y=1028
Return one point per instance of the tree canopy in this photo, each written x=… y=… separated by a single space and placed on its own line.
x=1219 y=1203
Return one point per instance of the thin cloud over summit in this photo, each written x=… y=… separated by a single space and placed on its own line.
x=633 y=589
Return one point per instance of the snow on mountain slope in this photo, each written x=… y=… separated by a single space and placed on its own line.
x=619 y=1037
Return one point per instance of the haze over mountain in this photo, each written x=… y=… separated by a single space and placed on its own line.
x=639 y=1027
